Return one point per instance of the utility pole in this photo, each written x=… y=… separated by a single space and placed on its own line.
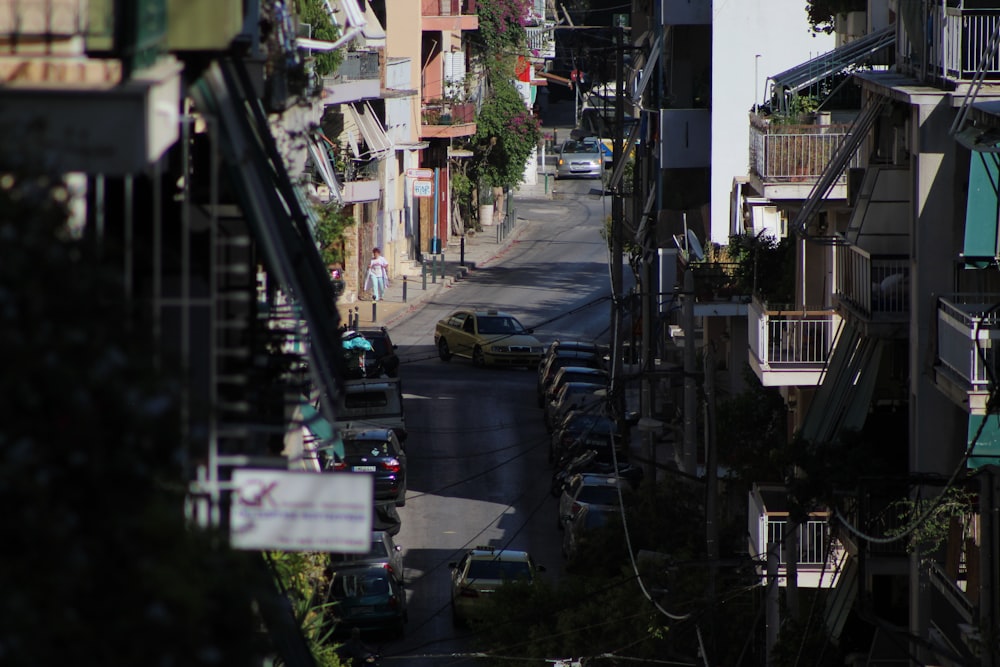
x=618 y=231
x=689 y=459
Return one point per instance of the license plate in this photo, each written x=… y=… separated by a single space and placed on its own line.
x=364 y=468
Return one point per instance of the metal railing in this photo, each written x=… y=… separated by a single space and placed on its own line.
x=358 y=65
x=786 y=336
x=448 y=7
x=793 y=153
x=955 y=40
x=448 y=113
x=814 y=537
x=876 y=286
x=966 y=327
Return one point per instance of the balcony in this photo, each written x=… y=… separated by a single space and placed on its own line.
x=443 y=120
x=719 y=292
x=875 y=288
x=790 y=347
x=542 y=40
x=357 y=78
x=819 y=555
x=956 y=41
x=117 y=114
x=787 y=159
x=967 y=360
x=443 y=15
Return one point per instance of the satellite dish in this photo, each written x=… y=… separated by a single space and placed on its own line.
x=694 y=246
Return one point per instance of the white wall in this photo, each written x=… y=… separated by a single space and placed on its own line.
x=741 y=29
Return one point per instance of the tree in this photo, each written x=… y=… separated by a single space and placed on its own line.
x=823 y=13
x=313 y=13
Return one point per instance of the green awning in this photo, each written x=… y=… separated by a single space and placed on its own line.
x=322 y=429
x=982 y=211
x=986 y=451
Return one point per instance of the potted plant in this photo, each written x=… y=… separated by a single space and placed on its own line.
x=486 y=203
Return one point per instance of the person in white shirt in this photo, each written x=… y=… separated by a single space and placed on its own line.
x=378 y=275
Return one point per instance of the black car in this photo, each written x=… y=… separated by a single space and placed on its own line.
x=376 y=359
x=581 y=430
x=376 y=451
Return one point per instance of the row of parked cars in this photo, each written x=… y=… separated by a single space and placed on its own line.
x=587 y=449
x=367 y=591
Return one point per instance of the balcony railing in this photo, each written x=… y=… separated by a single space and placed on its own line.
x=789 y=153
x=782 y=336
x=58 y=27
x=358 y=65
x=542 y=40
x=967 y=325
x=447 y=113
x=956 y=41
x=448 y=7
x=878 y=287
x=718 y=281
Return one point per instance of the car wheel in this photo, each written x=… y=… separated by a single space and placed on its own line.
x=443 y=350
x=478 y=358
x=401 y=498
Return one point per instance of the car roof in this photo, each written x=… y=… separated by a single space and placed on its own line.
x=368 y=434
x=499 y=554
x=581 y=370
x=593 y=479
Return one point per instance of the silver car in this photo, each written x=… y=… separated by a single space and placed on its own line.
x=580 y=158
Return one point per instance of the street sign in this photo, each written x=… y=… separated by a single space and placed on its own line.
x=425 y=174
x=423 y=188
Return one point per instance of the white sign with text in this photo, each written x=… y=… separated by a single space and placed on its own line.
x=301 y=511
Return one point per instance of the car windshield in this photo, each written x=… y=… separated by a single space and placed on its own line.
x=499 y=569
x=598 y=495
x=581 y=147
x=492 y=324
x=355 y=586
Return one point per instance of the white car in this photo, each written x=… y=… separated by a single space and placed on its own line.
x=480 y=572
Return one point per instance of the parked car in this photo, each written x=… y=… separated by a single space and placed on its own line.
x=480 y=572
x=372 y=403
x=580 y=158
x=566 y=345
x=561 y=358
x=573 y=374
x=376 y=360
x=488 y=337
x=579 y=528
x=581 y=430
x=383 y=551
x=574 y=396
x=588 y=490
x=369 y=597
x=375 y=451
x=587 y=462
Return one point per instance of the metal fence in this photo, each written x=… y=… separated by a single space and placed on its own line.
x=794 y=153
x=877 y=286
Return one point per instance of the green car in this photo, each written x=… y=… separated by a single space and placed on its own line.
x=369 y=598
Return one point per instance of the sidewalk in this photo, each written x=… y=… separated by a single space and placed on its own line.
x=480 y=249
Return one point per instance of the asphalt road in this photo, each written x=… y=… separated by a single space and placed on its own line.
x=477 y=451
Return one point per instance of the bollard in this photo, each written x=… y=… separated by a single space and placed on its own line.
x=404 y=289
x=434 y=269
x=374 y=311
x=356 y=317
x=423 y=273
x=442 y=267
x=461 y=251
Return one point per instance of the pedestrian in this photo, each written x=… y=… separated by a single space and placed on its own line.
x=378 y=275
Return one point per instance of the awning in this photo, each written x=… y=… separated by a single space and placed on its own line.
x=320 y=158
x=327 y=436
x=367 y=124
x=823 y=66
x=842 y=400
x=274 y=214
x=982 y=210
x=986 y=450
x=835 y=167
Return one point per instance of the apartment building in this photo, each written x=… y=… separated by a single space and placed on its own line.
x=886 y=352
